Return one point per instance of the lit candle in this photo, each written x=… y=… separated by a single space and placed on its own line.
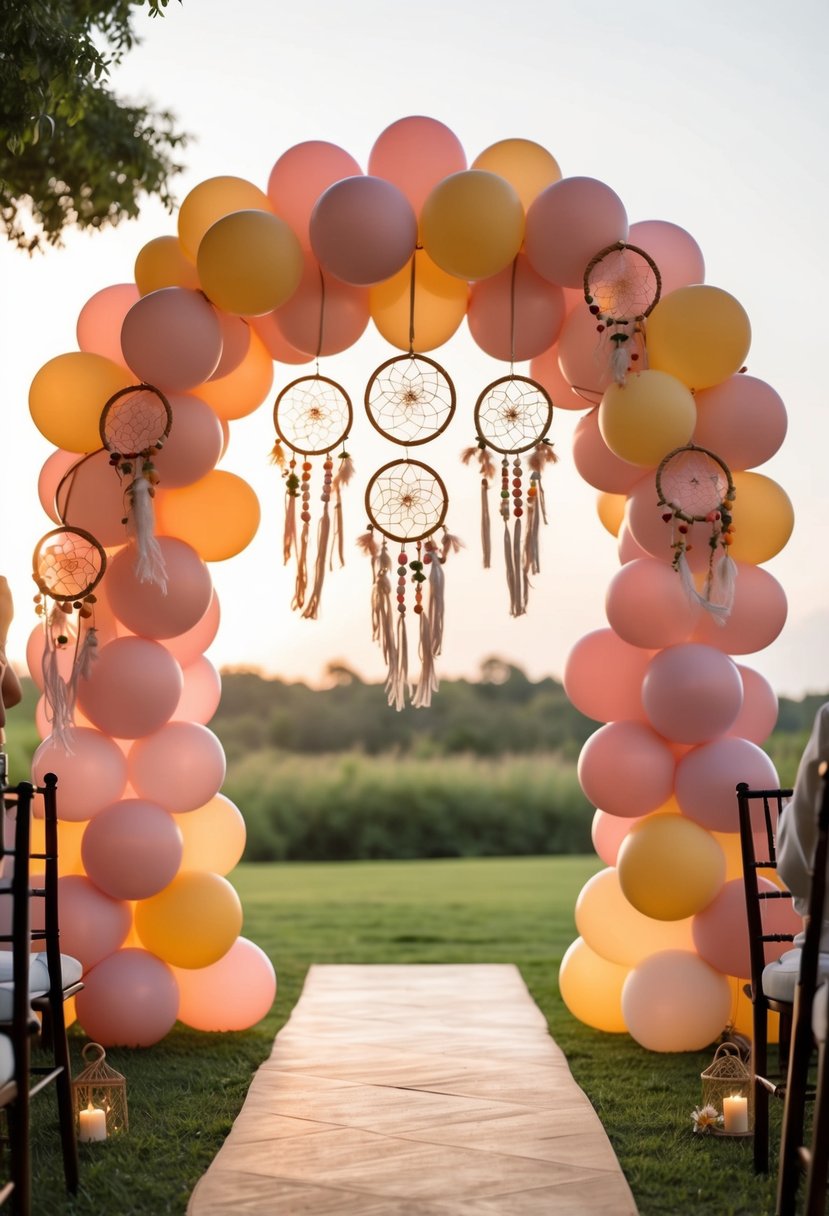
x=735 y=1114
x=93 y=1124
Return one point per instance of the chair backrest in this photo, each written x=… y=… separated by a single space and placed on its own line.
x=759 y=812
x=813 y=921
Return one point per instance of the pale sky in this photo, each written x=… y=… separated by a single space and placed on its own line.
x=712 y=116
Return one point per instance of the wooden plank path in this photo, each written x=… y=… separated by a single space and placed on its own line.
x=414 y=1090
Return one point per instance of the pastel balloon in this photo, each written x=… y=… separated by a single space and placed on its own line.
x=743 y=420
x=692 y=693
x=757 y=616
x=162 y=262
x=99 y=321
x=596 y=463
x=526 y=165
x=148 y=610
x=193 y=446
x=132 y=849
x=612 y=927
x=673 y=1001
x=415 y=154
x=567 y=225
x=232 y=994
x=628 y=548
x=647 y=606
x=188 y=646
x=607 y=833
x=218 y=515
x=611 y=511
x=546 y=370
x=210 y=201
x=626 y=769
x=274 y=341
x=87 y=493
x=591 y=988
x=584 y=356
x=90 y=776
x=515 y=314
x=213 y=836
x=363 y=230
x=192 y=922
x=646 y=417
x=763 y=518
x=249 y=262
x=67 y=395
x=301 y=175
x=131 y=689
x=244 y=389
x=758 y=716
x=440 y=305
x=669 y=868
x=324 y=315
x=92 y=925
x=200 y=695
x=181 y=766
x=472 y=224
x=172 y=338
x=706 y=781
x=235 y=343
x=129 y=1000
x=699 y=334
x=721 y=930
x=70 y=837
x=674 y=250
x=603 y=677
x=655 y=534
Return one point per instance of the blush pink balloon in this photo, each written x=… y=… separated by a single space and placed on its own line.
x=180 y=767
x=90 y=776
x=91 y=924
x=603 y=677
x=235 y=343
x=194 y=445
x=743 y=420
x=676 y=253
x=145 y=608
x=628 y=548
x=758 y=716
x=132 y=688
x=363 y=230
x=301 y=175
x=653 y=533
x=132 y=850
x=707 y=779
x=626 y=769
x=607 y=833
x=50 y=477
x=129 y=1000
x=596 y=463
x=323 y=315
x=232 y=994
x=721 y=930
x=278 y=347
x=757 y=617
x=568 y=224
x=87 y=492
x=188 y=646
x=415 y=154
x=647 y=605
x=100 y=320
x=545 y=369
x=200 y=694
x=673 y=1001
x=172 y=339
x=515 y=314
x=584 y=357
x=691 y=693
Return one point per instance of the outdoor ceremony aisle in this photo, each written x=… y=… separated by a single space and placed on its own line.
x=420 y=1089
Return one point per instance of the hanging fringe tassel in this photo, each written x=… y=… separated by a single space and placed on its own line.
x=149 y=561
x=510 y=570
x=301 y=584
x=323 y=533
x=289 y=531
x=689 y=586
x=620 y=355
x=428 y=681
x=487 y=467
x=399 y=677
x=59 y=693
x=86 y=656
x=723 y=586
x=437 y=581
x=518 y=577
x=344 y=475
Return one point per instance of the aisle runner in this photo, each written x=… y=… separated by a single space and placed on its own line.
x=425 y=1090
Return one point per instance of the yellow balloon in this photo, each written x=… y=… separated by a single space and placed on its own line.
x=699 y=334
x=763 y=518
x=611 y=509
x=218 y=515
x=70 y=835
x=440 y=304
x=244 y=389
x=472 y=224
x=670 y=868
x=524 y=164
x=249 y=263
x=615 y=930
x=163 y=263
x=213 y=837
x=209 y=201
x=192 y=922
x=591 y=988
x=67 y=396
x=729 y=842
x=646 y=417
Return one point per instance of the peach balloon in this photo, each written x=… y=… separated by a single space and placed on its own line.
x=611 y=511
x=440 y=304
x=188 y=646
x=674 y=250
x=323 y=316
x=132 y=688
x=51 y=474
x=591 y=988
x=646 y=417
x=699 y=334
x=670 y=868
x=526 y=165
x=70 y=839
x=235 y=343
x=758 y=716
x=568 y=223
x=607 y=833
x=249 y=262
x=546 y=370
x=626 y=769
x=162 y=262
x=743 y=420
x=647 y=605
x=628 y=548
x=673 y=1001
x=274 y=342
x=132 y=850
x=172 y=338
x=706 y=781
x=763 y=518
x=90 y=776
x=200 y=694
x=597 y=464
x=245 y=388
x=721 y=930
x=472 y=224
x=193 y=922
x=653 y=533
x=515 y=314
x=612 y=927
x=129 y=1000
x=99 y=321
x=92 y=925
x=193 y=446
x=692 y=693
x=301 y=175
x=603 y=676
x=148 y=610
x=181 y=766
x=232 y=994
x=757 y=617
x=67 y=395
x=210 y=201
x=415 y=154
x=87 y=493
x=218 y=515
x=213 y=836
x=363 y=230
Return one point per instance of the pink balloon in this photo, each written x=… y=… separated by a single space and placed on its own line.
x=188 y=646
x=603 y=677
x=415 y=154
x=200 y=694
x=301 y=175
x=545 y=369
x=568 y=224
x=515 y=314
x=132 y=688
x=323 y=315
x=50 y=477
x=673 y=1001
x=90 y=775
x=172 y=338
x=676 y=253
x=743 y=420
x=757 y=617
x=232 y=994
x=148 y=611
x=626 y=769
x=129 y=1000
x=91 y=924
x=194 y=445
x=267 y=330
x=101 y=318
x=647 y=605
x=363 y=230
x=653 y=533
x=607 y=833
x=758 y=716
x=628 y=548
x=691 y=693
x=88 y=492
x=235 y=343
x=132 y=849
x=596 y=463
x=721 y=930
x=180 y=767
x=707 y=779
x=585 y=357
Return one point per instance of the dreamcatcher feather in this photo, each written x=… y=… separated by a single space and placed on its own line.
x=622 y=286
x=694 y=485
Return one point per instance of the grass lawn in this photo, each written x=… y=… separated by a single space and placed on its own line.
x=185 y=1092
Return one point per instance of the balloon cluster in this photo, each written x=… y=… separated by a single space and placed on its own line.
x=296 y=271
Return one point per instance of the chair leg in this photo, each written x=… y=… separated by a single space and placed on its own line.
x=819 y=1162
x=18 y=1121
x=800 y=1053
x=759 y=1068
x=63 y=1085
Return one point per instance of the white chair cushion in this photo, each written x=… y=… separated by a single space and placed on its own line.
x=71 y=972
x=819 y=1013
x=780 y=977
x=6 y=1059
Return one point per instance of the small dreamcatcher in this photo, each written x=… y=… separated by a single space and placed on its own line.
x=134 y=425
x=695 y=486
x=406 y=502
x=513 y=416
x=622 y=286
x=67 y=565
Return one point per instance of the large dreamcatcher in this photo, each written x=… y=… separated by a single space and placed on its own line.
x=695 y=486
x=67 y=565
x=622 y=285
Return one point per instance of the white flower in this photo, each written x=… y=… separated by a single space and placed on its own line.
x=705 y=1118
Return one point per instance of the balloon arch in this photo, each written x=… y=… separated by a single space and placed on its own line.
x=418 y=243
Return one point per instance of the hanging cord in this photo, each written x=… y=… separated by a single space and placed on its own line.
x=412 y=286
x=512 y=315
x=322 y=322
x=68 y=480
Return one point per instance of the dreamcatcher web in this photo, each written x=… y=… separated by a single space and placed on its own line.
x=406 y=500
x=513 y=414
x=622 y=286
x=312 y=415
x=135 y=421
x=68 y=563
x=410 y=399
x=693 y=483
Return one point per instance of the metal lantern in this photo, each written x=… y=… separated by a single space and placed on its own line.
x=727 y=1087
x=97 y=1091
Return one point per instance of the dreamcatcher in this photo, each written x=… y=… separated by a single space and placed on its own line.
x=406 y=503
x=67 y=565
x=695 y=486
x=622 y=285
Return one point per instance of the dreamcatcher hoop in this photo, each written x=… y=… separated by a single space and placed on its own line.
x=408 y=395
x=504 y=410
x=431 y=500
x=328 y=415
x=622 y=286
x=70 y=571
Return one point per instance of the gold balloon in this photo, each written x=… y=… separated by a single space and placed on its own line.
x=591 y=988
x=192 y=922
x=244 y=389
x=218 y=515
x=669 y=867
x=472 y=224
x=646 y=417
x=699 y=334
x=163 y=263
x=67 y=396
x=611 y=509
x=249 y=263
x=763 y=518
x=209 y=201
x=526 y=165
x=440 y=304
